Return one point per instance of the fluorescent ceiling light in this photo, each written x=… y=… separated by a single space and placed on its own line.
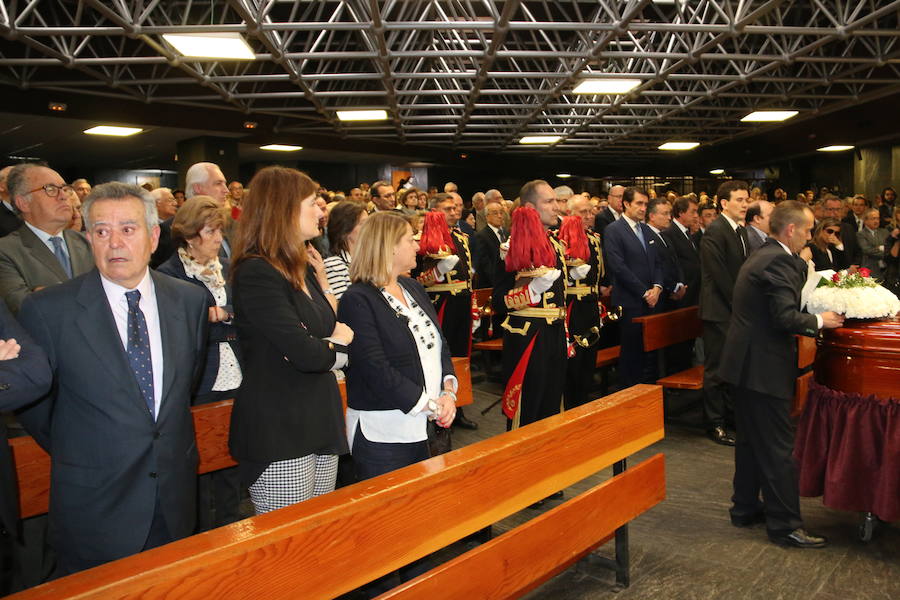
x=716 y=171
x=761 y=116
x=540 y=139
x=563 y=175
x=606 y=86
x=835 y=148
x=113 y=130
x=362 y=115
x=281 y=148
x=679 y=145
x=227 y=45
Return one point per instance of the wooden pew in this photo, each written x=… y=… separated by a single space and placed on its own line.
x=670 y=328
x=332 y=544
x=673 y=327
x=211 y=425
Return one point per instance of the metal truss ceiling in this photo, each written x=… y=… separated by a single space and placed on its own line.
x=472 y=76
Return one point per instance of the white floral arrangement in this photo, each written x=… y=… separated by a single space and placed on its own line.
x=854 y=295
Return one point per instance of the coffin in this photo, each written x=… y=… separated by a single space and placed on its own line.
x=863 y=357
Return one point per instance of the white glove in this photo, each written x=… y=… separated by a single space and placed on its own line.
x=580 y=272
x=447 y=264
x=541 y=284
x=504 y=248
x=476 y=323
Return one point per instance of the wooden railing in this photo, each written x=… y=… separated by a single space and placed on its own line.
x=332 y=544
x=211 y=425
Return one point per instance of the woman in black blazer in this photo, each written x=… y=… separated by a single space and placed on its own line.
x=197 y=236
x=824 y=246
x=286 y=426
x=400 y=371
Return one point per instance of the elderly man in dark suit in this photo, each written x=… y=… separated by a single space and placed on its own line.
x=489 y=264
x=871 y=244
x=757 y=219
x=659 y=218
x=722 y=252
x=42 y=252
x=24 y=377
x=632 y=259
x=613 y=212
x=761 y=352
x=678 y=237
x=126 y=345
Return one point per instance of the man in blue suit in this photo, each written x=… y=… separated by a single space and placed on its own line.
x=125 y=345
x=635 y=266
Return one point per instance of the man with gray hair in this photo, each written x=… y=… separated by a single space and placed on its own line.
x=42 y=251
x=166 y=205
x=9 y=218
x=201 y=179
x=563 y=194
x=118 y=425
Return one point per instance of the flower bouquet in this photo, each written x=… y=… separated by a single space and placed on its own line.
x=854 y=295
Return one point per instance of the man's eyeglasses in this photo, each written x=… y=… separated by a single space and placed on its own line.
x=832 y=231
x=52 y=190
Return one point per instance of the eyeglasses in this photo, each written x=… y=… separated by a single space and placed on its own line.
x=832 y=231
x=52 y=190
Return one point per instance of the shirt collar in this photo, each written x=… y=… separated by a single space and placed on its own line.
x=43 y=235
x=681 y=227
x=734 y=225
x=116 y=292
x=786 y=249
x=628 y=220
x=494 y=229
x=655 y=230
x=761 y=233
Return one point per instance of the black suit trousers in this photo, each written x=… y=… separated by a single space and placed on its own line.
x=717 y=405
x=635 y=365
x=764 y=461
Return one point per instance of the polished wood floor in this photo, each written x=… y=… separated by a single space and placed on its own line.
x=687 y=548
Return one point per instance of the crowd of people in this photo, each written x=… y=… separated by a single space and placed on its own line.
x=124 y=306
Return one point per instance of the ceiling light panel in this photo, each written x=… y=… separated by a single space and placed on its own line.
x=113 y=130
x=768 y=116
x=225 y=46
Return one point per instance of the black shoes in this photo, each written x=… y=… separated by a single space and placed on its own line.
x=462 y=421
x=720 y=436
x=799 y=538
x=749 y=521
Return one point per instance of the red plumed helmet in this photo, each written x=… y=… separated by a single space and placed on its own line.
x=572 y=233
x=436 y=238
x=529 y=247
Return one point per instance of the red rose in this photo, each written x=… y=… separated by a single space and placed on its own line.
x=864 y=272
x=836 y=278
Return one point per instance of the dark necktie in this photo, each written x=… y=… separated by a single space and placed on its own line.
x=139 y=349
x=61 y=255
x=504 y=235
x=687 y=234
x=742 y=238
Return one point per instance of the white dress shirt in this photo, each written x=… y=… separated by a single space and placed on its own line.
x=118 y=303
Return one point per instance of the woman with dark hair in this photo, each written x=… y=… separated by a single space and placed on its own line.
x=343 y=229
x=197 y=236
x=287 y=424
x=401 y=371
x=827 y=249
x=408 y=201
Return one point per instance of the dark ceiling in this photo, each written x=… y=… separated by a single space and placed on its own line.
x=456 y=77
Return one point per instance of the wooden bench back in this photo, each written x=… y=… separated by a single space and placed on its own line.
x=211 y=425
x=672 y=327
x=332 y=544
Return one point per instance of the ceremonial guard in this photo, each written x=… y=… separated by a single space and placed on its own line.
x=444 y=270
x=534 y=336
x=584 y=313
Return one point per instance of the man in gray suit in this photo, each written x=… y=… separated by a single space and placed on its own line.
x=125 y=345
x=42 y=252
x=871 y=243
x=757 y=220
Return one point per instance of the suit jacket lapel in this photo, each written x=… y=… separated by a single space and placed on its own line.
x=170 y=328
x=81 y=262
x=41 y=252
x=98 y=326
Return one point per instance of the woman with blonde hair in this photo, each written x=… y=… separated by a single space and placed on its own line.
x=286 y=425
x=400 y=370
